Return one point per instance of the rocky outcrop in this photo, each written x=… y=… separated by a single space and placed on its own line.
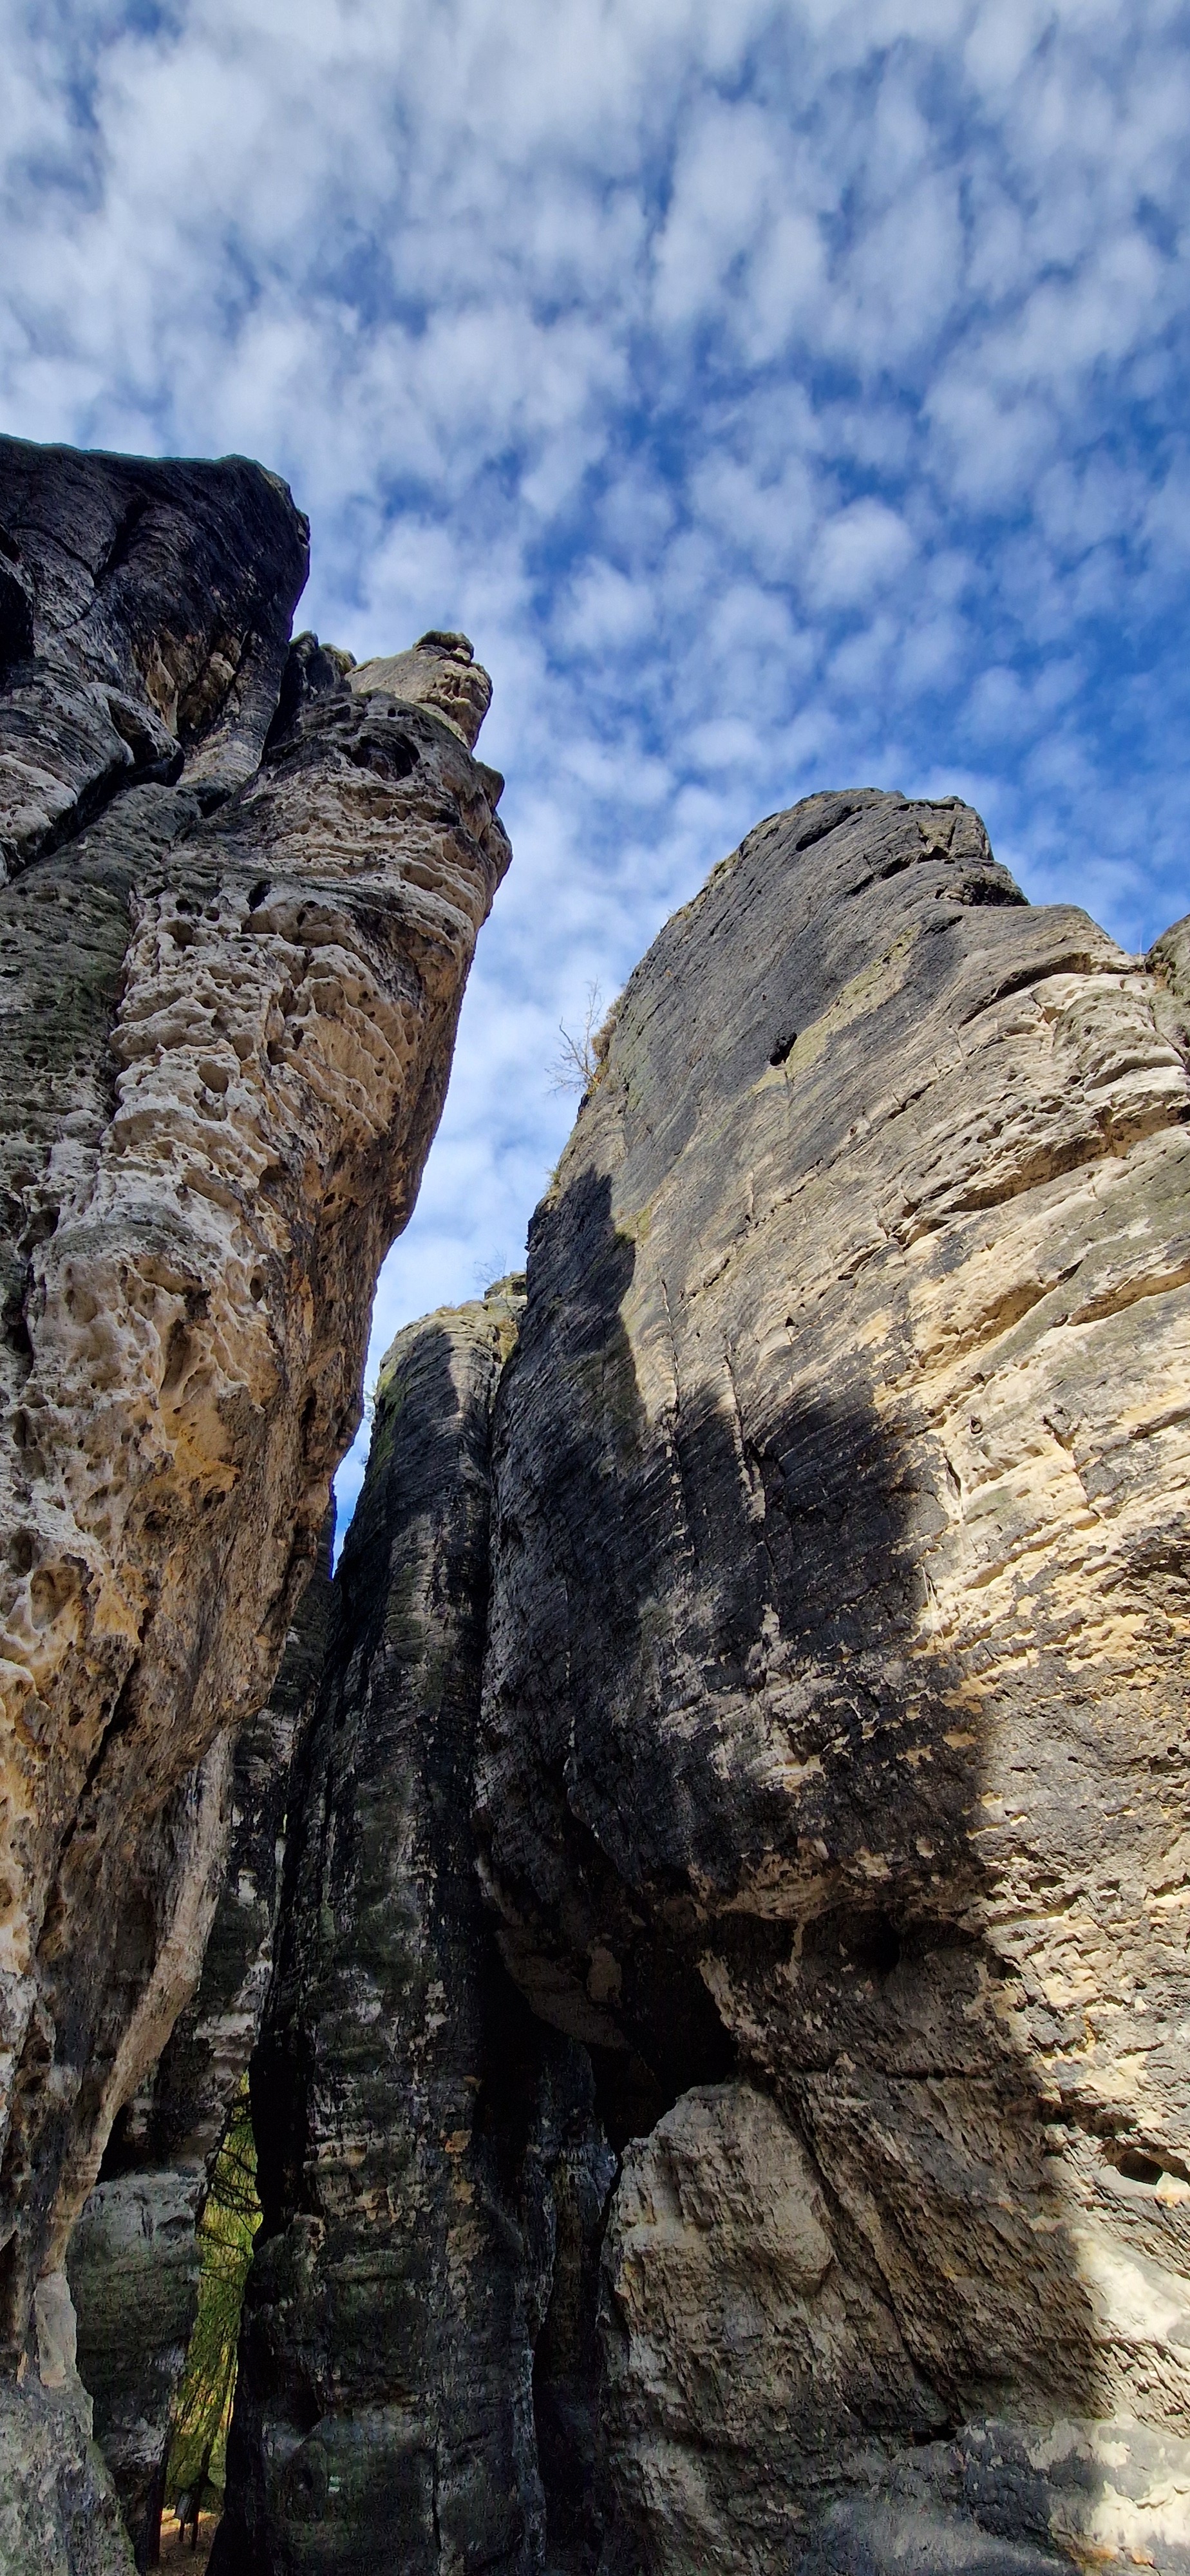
x=134 y=2258
x=832 y=1754
x=828 y=1577
x=243 y=893
x=722 y=2096
x=430 y=2167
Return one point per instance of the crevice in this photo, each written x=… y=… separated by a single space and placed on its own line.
x=92 y=801
x=120 y=546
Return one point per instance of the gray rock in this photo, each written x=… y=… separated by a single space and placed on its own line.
x=134 y=2258
x=58 y=2510
x=834 y=1704
x=144 y=624
x=432 y=2175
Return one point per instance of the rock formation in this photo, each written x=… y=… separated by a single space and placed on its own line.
x=422 y=2139
x=828 y=1788
x=242 y=892
x=721 y=2099
x=133 y=2260
x=836 y=1674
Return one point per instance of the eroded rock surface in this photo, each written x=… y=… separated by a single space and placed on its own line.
x=241 y=909
x=431 y=2169
x=134 y=2257
x=834 y=1738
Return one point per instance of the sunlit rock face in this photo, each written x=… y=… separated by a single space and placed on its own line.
x=240 y=907
x=418 y=2363
x=832 y=1763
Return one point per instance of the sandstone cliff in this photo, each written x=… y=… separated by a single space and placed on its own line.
x=836 y=1681
x=242 y=891
x=828 y=1790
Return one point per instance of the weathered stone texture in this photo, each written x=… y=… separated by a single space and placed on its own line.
x=430 y=2166
x=144 y=624
x=58 y=2511
x=753 y=1724
x=836 y=1679
x=134 y=2257
x=231 y=975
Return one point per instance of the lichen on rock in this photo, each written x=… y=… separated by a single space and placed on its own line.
x=722 y=2094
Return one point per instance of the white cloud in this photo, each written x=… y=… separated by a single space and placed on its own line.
x=859 y=552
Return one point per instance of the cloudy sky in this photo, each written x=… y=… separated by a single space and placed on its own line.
x=781 y=396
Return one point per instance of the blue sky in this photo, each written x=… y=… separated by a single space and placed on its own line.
x=781 y=397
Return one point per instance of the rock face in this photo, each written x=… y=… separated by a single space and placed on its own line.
x=834 y=1732
x=431 y=2170
x=242 y=899
x=134 y=2257
x=824 y=1587
x=722 y=2098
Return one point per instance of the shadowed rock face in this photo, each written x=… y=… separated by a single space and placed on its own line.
x=134 y=2257
x=834 y=1708
x=431 y=2170
x=240 y=911
x=144 y=626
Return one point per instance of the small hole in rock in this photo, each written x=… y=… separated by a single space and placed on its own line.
x=783 y=1047
x=878 y=1948
x=1138 y=2168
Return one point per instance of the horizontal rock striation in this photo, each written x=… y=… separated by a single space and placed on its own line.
x=242 y=900
x=831 y=1763
x=431 y=2171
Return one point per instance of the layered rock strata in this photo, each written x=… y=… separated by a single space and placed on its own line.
x=431 y=2170
x=835 y=1687
x=134 y=2258
x=243 y=893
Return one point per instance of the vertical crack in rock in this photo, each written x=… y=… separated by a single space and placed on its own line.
x=431 y=2169
x=722 y=2095
x=230 y=982
x=134 y=2256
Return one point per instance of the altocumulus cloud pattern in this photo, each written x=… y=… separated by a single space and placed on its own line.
x=781 y=396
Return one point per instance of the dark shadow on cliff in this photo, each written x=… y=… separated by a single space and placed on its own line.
x=721 y=1762
x=420 y=2131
